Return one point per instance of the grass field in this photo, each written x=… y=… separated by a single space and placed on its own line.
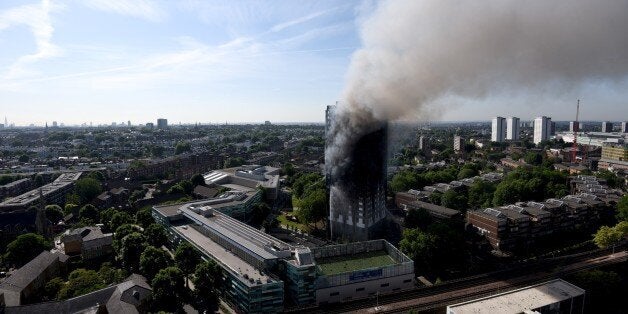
x=342 y=264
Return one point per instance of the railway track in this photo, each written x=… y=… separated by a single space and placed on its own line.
x=468 y=288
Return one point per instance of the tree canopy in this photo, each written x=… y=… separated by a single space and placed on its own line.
x=153 y=260
x=87 y=189
x=24 y=248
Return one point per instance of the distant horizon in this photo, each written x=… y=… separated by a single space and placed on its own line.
x=177 y=123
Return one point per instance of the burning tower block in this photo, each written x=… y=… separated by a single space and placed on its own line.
x=357 y=190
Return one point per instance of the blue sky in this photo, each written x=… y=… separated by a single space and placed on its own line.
x=102 y=61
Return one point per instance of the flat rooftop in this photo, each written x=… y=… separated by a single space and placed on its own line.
x=330 y=266
x=63 y=180
x=521 y=300
x=227 y=258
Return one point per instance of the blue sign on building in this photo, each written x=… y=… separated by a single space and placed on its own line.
x=366 y=274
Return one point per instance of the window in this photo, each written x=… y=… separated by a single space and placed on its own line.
x=333 y=294
x=384 y=285
x=359 y=289
x=407 y=281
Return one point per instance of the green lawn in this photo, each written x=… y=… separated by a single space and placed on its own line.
x=342 y=264
x=284 y=221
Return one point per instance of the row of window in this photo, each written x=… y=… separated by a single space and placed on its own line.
x=384 y=285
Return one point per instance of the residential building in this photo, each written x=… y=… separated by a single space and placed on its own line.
x=357 y=193
x=129 y=297
x=52 y=193
x=512 y=128
x=16 y=187
x=607 y=127
x=89 y=242
x=556 y=296
x=459 y=143
x=162 y=123
x=624 y=127
x=574 y=126
x=23 y=284
x=498 y=129
x=542 y=127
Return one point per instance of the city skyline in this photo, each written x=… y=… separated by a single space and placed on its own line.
x=212 y=62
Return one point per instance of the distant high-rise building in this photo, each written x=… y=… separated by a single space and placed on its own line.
x=498 y=129
x=1 y=126
x=54 y=124
x=128 y=123
x=458 y=143
x=624 y=127
x=162 y=123
x=542 y=127
x=424 y=143
x=607 y=127
x=150 y=125
x=552 y=128
x=574 y=126
x=512 y=128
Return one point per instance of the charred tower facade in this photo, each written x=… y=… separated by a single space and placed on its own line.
x=357 y=190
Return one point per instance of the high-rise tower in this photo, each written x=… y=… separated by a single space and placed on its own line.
x=498 y=129
x=512 y=129
x=357 y=188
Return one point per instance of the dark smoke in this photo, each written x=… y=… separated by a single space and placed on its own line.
x=417 y=52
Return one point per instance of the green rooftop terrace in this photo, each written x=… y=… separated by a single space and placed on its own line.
x=347 y=263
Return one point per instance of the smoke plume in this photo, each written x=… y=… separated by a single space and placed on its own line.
x=417 y=52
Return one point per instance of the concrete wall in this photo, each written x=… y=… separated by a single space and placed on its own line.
x=364 y=289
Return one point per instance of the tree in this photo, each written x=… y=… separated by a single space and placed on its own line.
x=132 y=247
x=105 y=217
x=259 y=211
x=80 y=282
x=119 y=219
x=89 y=214
x=52 y=287
x=533 y=158
x=480 y=194
x=197 y=179
x=435 y=198
x=234 y=162
x=622 y=208
x=54 y=213
x=156 y=235
x=603 y=290
x=168 y=287
x=121 y=232
x=454 y=200
x=182 y=147
x=87 y=189
x=24 y=248
x=418 y=218
x=71 y=208
x=187 y=257
x=313 y=207
x=153 y=260
x=144 y=218
x=111 y=275
x=607 y=236
x=467 y=173
x=207 y=280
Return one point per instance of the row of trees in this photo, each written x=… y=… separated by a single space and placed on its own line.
x=608 y=236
